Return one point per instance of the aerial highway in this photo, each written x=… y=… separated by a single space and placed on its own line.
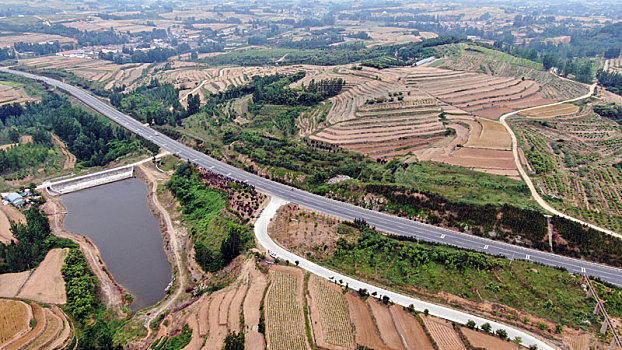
x=383 y=222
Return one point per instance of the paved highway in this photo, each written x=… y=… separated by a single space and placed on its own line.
x=261 y=232
x=383 y=222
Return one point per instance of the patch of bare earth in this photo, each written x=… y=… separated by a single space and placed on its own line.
x=7 y=214
x=46 y=283
x=386 y=326
x=366 y=332
x=488 y=341
x=410 y=329
x=443 y=334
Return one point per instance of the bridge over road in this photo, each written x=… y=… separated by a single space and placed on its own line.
x=383 y=222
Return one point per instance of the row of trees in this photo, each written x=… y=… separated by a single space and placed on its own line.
x=611 y=81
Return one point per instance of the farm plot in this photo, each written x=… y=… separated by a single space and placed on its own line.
x=572 y=158
x=15 y=319
x=387 y=129
x=385 y=324
x=443 y=334
x=330 y=307
x=468 y=58
x=13 y=93
x=51 y=330
x=44 y=284
x=285 y=323
x=487 y=341
x=563 y=109
x=8 y=214
x=410 y=329
x=490 y=135
x=480 y=94
x=107 y=73
x=366 y=331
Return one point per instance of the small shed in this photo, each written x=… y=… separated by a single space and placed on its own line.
x=15 y=199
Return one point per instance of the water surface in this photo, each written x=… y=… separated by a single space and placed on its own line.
x=117 y=218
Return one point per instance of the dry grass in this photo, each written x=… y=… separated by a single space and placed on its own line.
x=14 y=319
x=46 y=284
x=551 y=111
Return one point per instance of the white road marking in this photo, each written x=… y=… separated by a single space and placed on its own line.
x=485 y=246
x=443 y=236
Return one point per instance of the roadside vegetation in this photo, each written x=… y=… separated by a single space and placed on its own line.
x=412 y=266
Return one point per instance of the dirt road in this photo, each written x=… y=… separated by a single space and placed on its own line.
x=174 y=244
x=527 y=179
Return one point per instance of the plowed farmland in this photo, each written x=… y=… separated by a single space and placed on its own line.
x=285 y=324
x=388 y=129
x=480 y=94
x=330 y=306
x=443 y=333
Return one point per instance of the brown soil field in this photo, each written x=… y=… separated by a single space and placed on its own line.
x=551 y=111
x=493 y=135
x=46 y=283
x=481 y=94
x=329 y=314
x=443 y=333
x=9 y=40
x=14 y=319
x=258 y=283
x=10 y=283
x=483 y=340
x=366 y=332
x=581 y=342
x=285 y=325
x=386 y=326
x=491 y=161
x=8 y=213
x=410 y=329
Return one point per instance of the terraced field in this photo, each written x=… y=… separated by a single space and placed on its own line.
x=46 y=328
x=385 y=130
x=571 y=160
x=480 y=94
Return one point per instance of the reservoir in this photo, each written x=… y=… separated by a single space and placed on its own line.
x=117 y=218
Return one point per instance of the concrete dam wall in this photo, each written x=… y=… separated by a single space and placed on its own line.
x=87 y=181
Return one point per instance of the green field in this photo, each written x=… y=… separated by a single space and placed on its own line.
x=10 y=83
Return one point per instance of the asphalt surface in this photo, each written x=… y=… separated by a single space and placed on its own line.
x=261 y=232
x=383 y=222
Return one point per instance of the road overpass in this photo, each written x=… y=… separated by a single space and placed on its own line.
x=383 y=222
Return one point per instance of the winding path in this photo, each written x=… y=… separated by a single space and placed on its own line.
x=527 y=179
x=261 y=233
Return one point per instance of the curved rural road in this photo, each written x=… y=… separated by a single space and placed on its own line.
x=383 y=222
x=527 y=179
x=261 y=232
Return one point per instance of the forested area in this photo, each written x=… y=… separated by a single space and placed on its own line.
x=218 y=237
x=154 y=103
x=35 y=241
x=612 y=111
x=280 y=93
x=94 y=141
x=611 y=81
x=587 y=243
